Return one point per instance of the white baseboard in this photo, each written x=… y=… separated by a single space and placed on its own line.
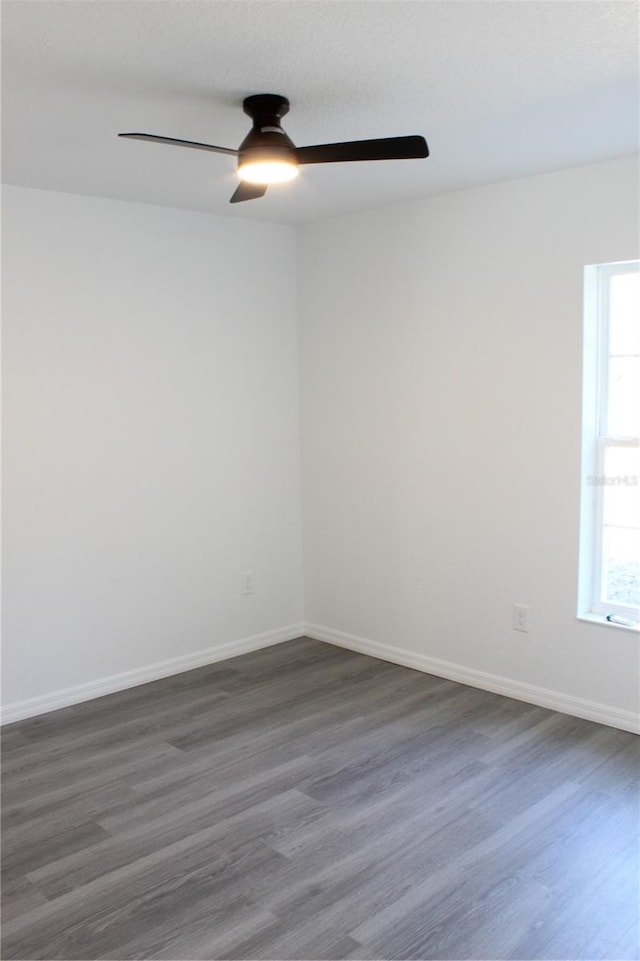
x=541 y=696
x=20 y=710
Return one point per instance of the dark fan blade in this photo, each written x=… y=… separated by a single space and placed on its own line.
x=179 y=143
x=388 y=148
x=246 y=191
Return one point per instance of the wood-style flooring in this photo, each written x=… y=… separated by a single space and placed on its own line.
x=308 y=802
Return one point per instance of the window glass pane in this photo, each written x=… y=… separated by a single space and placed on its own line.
x=610 y=520
x=621 y=534
x=621 y=563
x=623 y=414
x=621 y=487
x=624 y=314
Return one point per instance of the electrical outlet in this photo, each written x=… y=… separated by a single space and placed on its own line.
x=521 y=618
x=247 y=582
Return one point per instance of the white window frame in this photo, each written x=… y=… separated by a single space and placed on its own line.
x=596 y=441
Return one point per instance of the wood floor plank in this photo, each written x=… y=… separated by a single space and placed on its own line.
x=593 y=924
x=493 y=922
x=112 y=914
x=261 y=812
x=414 y=803
x=306 y=801
x=19 y=896
x=213 y=791
x=345 y=886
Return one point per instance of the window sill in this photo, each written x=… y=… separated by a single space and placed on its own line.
x=603 y=622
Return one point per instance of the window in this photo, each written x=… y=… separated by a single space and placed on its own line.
x=610 y=512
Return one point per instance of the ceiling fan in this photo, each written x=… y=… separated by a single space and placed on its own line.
x=267 y=155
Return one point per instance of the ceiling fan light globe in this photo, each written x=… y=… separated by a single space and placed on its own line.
x=268 y=171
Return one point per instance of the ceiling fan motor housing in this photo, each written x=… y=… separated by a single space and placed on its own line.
x=266 y=141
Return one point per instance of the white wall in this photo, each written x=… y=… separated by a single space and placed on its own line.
x=441 y=390
x=150 y=438
x=151 y=433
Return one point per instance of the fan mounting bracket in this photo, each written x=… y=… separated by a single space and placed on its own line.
x=264 y=108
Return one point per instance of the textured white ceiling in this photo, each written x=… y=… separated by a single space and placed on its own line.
x=500 y=89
